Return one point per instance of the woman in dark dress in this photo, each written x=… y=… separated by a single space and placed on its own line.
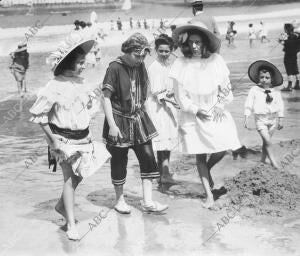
x=19 y=66
x=291 y=46
x=127 y=124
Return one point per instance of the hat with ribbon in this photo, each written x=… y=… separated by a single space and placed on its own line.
x=181 y=34
x=255 y=67
x=74 y=40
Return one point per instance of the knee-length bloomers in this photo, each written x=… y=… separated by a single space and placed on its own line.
x=204 y=84
x=66 y=103
x=163 y=114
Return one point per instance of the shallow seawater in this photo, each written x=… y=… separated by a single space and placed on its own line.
x=293 y=99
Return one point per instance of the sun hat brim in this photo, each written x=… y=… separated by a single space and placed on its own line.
x=21 y=49
x=253 y=72
x=86 y=47
x=214 y=43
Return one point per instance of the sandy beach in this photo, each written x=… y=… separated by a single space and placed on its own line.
x=29 y=190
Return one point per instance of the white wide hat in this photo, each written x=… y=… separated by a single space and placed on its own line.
x=74 y=40
x=214 y=43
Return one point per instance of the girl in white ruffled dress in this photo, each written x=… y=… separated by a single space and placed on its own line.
x=162 y=106
x=202 y=89
x=63 y=109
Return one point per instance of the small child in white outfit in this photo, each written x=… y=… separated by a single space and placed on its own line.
x=265 y=103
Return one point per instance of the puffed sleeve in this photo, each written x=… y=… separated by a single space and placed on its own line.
x=225 y=95
x=110 y=78
x=42 y=106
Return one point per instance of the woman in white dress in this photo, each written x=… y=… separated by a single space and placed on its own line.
x=162 y=106
x=263 y=32
x=202 y=89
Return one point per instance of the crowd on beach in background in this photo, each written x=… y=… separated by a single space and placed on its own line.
x=138 y=24
x=178 y=104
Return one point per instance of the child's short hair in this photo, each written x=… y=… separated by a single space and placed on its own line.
x=265 y=70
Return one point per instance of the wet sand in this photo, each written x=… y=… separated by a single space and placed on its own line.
x=29 y=191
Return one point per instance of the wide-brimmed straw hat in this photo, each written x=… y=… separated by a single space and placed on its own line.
x=214 y=43
x=255 y=67
x=74 y=40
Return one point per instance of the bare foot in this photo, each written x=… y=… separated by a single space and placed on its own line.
x=72 y=233
x=208 y=204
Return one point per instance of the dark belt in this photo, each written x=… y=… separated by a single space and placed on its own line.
x=68 y=134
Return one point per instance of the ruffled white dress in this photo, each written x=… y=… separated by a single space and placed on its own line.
x=68 y=103
x=203 y=84
x=162 y=114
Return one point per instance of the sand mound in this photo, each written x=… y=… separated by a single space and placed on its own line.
x=266 y=190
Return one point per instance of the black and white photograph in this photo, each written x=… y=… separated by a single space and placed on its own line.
x=149 y=127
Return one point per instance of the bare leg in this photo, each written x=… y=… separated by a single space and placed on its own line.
x=19 y=87
x=203 y=173
x=71 y=182
x=21 y=84
x=264 y=153
x=214 y=159
x=268 y=147
x=60 y=208
x=24 y=85
x=163 y=160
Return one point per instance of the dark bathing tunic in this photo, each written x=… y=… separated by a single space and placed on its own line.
x=129 y=87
